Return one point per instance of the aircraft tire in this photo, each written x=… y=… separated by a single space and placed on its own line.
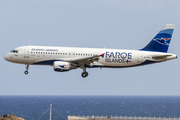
x=84 y=74
x=26 y=72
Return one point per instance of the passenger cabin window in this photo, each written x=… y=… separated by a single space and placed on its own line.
x=14 y=51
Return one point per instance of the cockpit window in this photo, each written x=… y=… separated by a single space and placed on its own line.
x=14 y=51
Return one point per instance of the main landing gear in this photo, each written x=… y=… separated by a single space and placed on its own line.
x=84 y=73
x=27 y=67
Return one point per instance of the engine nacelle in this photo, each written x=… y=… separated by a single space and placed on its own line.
x=60 y=66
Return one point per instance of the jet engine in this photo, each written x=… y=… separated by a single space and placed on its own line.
x=60 y=66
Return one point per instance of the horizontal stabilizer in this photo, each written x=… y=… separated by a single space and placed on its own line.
x=160 y=56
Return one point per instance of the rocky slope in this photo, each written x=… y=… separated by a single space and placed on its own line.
x=11 y=117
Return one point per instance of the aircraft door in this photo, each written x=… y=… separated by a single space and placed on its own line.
x=140 y=57
x=26 y=52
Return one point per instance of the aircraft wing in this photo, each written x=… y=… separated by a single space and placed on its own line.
x=86 y=60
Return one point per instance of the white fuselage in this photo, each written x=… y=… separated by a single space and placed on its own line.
x=68 y=58
x=44 y=55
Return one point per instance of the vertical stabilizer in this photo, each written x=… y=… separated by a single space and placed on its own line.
x=161 y=41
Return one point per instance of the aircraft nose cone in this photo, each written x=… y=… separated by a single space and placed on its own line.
x=6 y=57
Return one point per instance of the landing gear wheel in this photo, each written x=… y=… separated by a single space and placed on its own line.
x=26 y=72
x=84 y=74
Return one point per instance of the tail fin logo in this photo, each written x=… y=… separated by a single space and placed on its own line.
x=164 y=41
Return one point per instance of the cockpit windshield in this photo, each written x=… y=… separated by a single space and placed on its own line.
x=14 y=51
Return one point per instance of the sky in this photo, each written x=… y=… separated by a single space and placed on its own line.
x=118 y=24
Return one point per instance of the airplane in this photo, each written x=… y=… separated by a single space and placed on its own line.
x=68 y=58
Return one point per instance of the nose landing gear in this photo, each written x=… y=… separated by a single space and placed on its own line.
x=27 y=67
